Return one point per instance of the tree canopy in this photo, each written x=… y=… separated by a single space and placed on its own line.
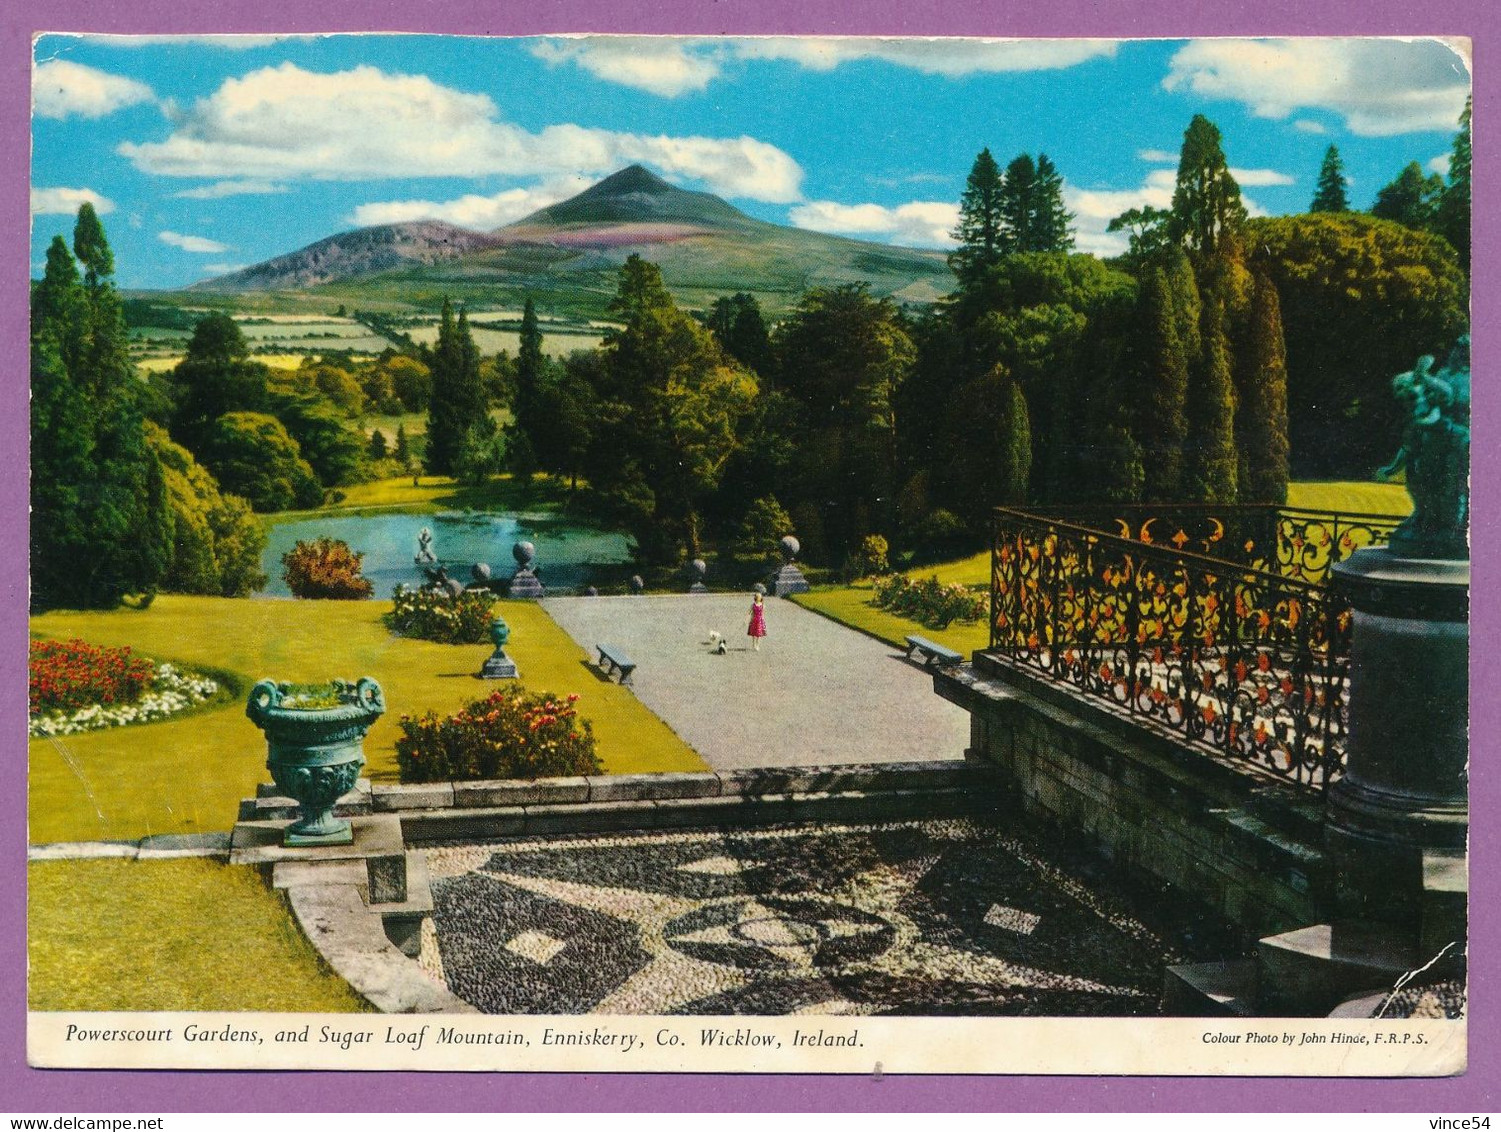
x=1206 y=198
x=1330 y=194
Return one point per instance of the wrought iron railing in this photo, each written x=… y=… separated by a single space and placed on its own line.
x=1293 y=542
x=1229 y=657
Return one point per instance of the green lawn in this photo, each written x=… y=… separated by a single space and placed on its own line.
x=851 y=606
x=1351 y=496
x=187 y=775
x=440 y=493
x=169 y=935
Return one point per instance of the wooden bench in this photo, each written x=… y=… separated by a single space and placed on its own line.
x=612 y=660
x=934 y=655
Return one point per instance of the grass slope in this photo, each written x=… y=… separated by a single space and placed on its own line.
x=169 y=935
x=187 y=775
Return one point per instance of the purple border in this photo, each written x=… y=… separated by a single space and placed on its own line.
x=76 y=1092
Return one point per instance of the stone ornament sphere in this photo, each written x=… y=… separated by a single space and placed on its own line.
x=524 y=553
x=480 y=572
x=759 y=588
x=500 y=633
x=637 y=585
x=315 y=754
x=699 y=568
x=791 y=548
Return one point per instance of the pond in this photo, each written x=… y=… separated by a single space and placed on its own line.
x=571 y=556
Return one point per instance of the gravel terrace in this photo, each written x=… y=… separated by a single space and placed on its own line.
x=817 y=692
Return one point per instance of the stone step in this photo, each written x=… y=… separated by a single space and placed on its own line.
x=1307 y=972
x=1225 y=989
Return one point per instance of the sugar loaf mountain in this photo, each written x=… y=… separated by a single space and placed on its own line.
x=567 y=256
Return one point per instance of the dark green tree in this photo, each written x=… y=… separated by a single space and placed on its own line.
x=979 y=230
x=1454 y=205
x=1149 y=232
x=1412 y=199
x=1032 y=215
x=253 y=455
x=458 y=400
x=1206 y=198
x=566 y=410
x=1261 y=416
x=1360 y=299
x=101 y=521
x=669 y=412
x=530 y=364
x=216 y=376
x=378 y=447
x=1169 y=306
x=1330 y=195
x=1212 y=461
x=333 y=448
x=403 y=451
x=741 y=329
x=844 y=355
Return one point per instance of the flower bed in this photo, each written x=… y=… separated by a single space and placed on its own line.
x=171 y=691
x=929 y=601
x=67 y=675
x=435 y=616
x=512 y=733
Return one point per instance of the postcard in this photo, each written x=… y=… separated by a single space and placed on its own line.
x=749 y=554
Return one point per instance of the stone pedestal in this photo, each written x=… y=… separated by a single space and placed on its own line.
x=788 y=579
x=498 y=666
x=525 y=584
x=1405 y=787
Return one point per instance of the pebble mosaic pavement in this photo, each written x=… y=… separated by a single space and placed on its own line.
x=947 y=917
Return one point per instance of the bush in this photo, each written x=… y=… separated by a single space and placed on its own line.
x=510 y=734
x=435 y=616
x=929 y=601
x=325 y=568
x=870 y=560
x=65 y=675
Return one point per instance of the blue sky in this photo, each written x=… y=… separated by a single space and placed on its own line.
x=206 y=154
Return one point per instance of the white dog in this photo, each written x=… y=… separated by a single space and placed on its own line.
x=717 y=643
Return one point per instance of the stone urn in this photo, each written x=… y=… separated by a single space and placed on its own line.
x=498 y=666
x=313 y=749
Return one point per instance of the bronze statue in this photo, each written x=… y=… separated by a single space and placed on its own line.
x=1436 y=455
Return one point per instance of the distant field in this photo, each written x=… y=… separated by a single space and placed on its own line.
x=557 y=344
x=163 y=363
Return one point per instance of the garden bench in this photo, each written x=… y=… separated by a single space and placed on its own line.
x=934 y=655
x=612 y=660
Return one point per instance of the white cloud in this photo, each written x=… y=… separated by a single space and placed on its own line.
x=280 y=123
x=471 y=210
x=1439 y=164
x=221 y=189
x=61 y=88
x=1309 y=126
x=224 y=268
x=1259 y=177
x=952 y=56
x=65 y=202
x=1380 y=87
x=198 y=245
x=670 y=66
x=1158 y=156
x=921 y=223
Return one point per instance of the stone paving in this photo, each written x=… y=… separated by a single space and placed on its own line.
x=817 y=692
x=948 y=917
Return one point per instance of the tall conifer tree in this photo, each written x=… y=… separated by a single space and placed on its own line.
x=1261 y=416
x=459 y=404
x=1330 y=195
x=979 y=230
x=1206 y=198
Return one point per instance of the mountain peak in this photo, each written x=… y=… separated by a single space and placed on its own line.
x=637 y=195
x=631 y=179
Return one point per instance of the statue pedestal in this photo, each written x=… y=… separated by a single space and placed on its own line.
x=788 y=579
x=525 y=584
x=1405 y=788
x=498 y=666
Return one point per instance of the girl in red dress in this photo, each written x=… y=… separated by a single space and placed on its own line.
x=757 y=628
